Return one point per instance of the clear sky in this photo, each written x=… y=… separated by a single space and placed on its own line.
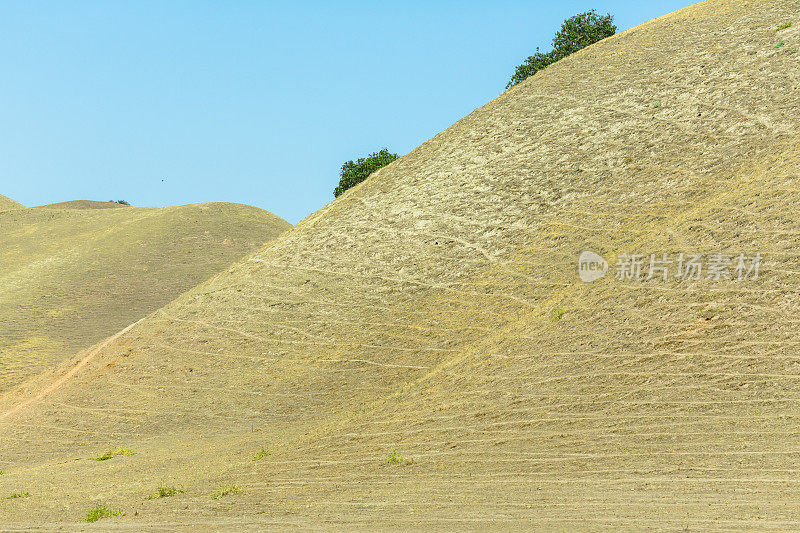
x=175 y=102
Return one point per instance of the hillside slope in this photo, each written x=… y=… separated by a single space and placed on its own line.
x=70 y=278
x=84 y=204
x=8 y=203
x=435 y=313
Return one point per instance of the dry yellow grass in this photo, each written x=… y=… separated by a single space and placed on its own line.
x=84 y=204
x=70 y=278
x=8 y=203
x=413 y=318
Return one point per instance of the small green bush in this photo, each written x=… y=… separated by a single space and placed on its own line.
x=354 y=172
x=784 y=26
x=101 y=511
x=263 y=452
x=225 y=490
x=16 y=495
x=109 y=454
x=395 y=458
x=165 y=492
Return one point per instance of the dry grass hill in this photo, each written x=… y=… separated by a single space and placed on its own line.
x=70 y=278
x=421 y=353
x=84 y=204
x=8 y=203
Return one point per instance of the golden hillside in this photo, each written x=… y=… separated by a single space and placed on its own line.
x=8 y=203
x=84 y=204
x=422 y=354
x=70 y=278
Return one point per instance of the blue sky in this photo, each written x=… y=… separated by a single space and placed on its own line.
x=176 y=102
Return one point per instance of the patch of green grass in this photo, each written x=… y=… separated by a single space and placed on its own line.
x=780 y=43
x=110 y=454
x=657 y=104
x=791 y=52
x=395 y=458
x=263 y=452
x=225 y=490
x=165 y=492
x=16 y=495
x=557 y=314
x=101 y=511
x=784 y=26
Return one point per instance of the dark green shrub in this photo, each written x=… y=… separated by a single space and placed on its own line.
x=576 y=32
x=354 y=172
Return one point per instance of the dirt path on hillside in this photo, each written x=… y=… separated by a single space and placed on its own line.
x=58 y=382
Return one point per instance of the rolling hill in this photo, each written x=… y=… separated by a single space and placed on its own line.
x=84 y=204
x=421 y=353
x=8 y=203
x=70 y=278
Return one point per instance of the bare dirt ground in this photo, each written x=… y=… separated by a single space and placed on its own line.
x=420 y=354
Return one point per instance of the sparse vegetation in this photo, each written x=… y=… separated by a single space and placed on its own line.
x=120 y=202
x=395 y=458
x=359 y=336
x=354 y=172
x=100 y=511
x=792 y=51
x=577 y=32
x=225 y=490
x=109 y=454
x=165 y=492
x=779 y=44
x=784 y=26
x=16 y=495
x=263 y=452
x=657 y=104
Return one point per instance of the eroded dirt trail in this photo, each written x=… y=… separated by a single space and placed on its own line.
x=59 y=379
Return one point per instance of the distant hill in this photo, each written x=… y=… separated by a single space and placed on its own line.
x=8 y=203
x=421 y=354
x=83 y=204
x=70 y=277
